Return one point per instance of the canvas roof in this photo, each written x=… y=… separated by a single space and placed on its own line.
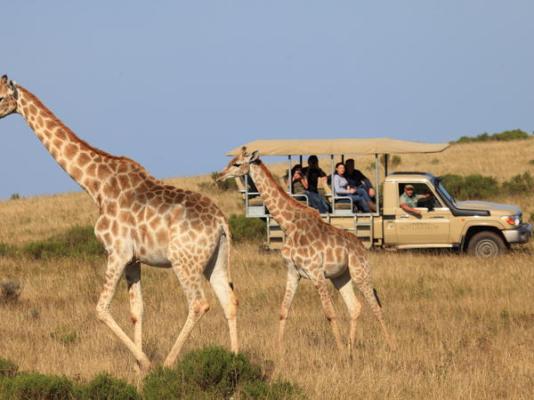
x=338 y=146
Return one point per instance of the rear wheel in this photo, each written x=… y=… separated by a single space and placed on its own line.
x=486 y=244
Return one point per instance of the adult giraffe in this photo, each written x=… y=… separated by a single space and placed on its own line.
x=141 y=220
x=313 y=249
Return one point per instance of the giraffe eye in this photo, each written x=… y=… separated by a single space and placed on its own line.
x=236 y=164
x=1 y=98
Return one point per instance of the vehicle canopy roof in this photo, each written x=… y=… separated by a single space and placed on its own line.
x=358 y=146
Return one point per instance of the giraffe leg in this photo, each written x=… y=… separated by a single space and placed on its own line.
x=344 y=285
x=321 y=285
x=293 y=279
x=217 y=274
x=116 y=266
x=198 y=306
x=359 y=270
x=133 y=279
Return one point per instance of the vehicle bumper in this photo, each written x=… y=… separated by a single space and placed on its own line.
x=519 y=235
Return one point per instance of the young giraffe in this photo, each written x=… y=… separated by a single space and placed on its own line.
x=314 y=250
x=141 y=220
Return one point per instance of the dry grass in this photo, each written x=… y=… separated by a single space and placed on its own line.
x=465 y=329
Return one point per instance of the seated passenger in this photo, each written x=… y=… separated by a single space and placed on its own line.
x=342 y=188
x=356 y=178
x=312 y=173
x=298 y=180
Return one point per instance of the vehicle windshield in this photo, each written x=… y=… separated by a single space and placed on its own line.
x=441 y=189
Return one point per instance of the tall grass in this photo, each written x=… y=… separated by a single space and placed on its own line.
x=465 y=328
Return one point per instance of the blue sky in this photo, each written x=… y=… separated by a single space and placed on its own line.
x=175 y=84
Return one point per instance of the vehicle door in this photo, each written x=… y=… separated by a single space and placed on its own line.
x=432 y=228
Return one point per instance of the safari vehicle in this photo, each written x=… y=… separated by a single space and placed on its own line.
x=480 y=228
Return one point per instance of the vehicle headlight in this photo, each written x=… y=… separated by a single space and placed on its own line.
x=512 y=219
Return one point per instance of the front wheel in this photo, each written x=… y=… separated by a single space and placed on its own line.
x=486 y=244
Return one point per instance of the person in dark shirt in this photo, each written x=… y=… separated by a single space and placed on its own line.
x=357 y=179
x=312 y=173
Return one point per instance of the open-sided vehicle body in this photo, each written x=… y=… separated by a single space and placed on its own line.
x=482 y=228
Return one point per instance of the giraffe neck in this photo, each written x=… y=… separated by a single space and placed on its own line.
x=281 y=206
x=88 y=166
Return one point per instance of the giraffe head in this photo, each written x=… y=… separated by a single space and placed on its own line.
x=8 y=96
x=239 y=165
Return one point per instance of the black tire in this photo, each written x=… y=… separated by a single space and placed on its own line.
x=486 y=244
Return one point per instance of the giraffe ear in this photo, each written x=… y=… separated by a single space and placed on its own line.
x=13 y=87
x=255 y=156
x=4 y=79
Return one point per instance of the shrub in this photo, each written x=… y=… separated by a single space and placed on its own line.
x=79 y=241
x=106 y=387
x=244 y=229
x=531 y=162
x=396 y=161
x=214 y=373
x=10 y=290
x=471 y=186
x=521 y=183
x=7 y=368
x=505 y=136
x=38 y=387
x=15 y=196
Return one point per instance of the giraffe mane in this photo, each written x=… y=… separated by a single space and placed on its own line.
x=69 y=132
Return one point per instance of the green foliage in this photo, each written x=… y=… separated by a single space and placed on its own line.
x=15 y=196
x=505 y=136
x=396 y=161
x=214 y=373
x=79 y=241
x=531 y=162
x=522 y=183
x=245 y=229
x=10 y=290
x=38 y=387
x=471 y=186
x=8 y=368
x=106 y=387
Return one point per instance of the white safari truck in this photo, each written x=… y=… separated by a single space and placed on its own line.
x=480 y=228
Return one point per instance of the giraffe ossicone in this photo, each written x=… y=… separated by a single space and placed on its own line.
x=313 y=249
x=142 y=220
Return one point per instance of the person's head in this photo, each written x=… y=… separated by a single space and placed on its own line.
x=340 y=168
x=313 y=161
x=349 y=165
x=296 y=168
x=409 y=190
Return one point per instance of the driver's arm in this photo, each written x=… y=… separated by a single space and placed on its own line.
x=410 y=210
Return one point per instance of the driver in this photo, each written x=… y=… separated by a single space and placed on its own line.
x=408 y=200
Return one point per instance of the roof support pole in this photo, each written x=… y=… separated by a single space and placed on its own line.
x=386 y=159
x=332 y=183
x=289 y=177
x=377 y=180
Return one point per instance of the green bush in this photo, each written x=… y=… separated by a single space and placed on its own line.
x=244 y=229
x=15 y=196
x=214 y=373
x=471 y=186
x=522 y=183
x=38 y=387
x=7 y=368
x=228 y=184
x=169 y=384
x=79 y=241
x=106 y=387
x=505 y=136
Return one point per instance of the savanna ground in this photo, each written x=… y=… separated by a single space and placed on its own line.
x=465 y=327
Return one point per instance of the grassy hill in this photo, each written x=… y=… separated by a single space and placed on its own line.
x=465 y=329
